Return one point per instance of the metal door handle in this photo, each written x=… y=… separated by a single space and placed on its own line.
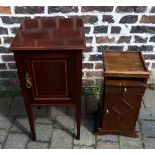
x=28 y=81
x=107 y=111
x=125 y=89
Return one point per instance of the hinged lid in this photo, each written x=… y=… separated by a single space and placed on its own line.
x=124 y=64
x=50 y=34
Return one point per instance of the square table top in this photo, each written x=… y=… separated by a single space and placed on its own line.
x=49 y=33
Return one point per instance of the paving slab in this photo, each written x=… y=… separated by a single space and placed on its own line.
x=37 y=145
x=148 y=128
x=61 y=139
x=3 y=135
x=147 y=114
x=6 y=122
x=82 y=147
x=21 y=125
x=43 y=132
x=107 y=145
x=40 y=111
x=16 y=141
x=91 y=104
x=18 y=107
x=44 y=119
x=5 y=106
x=107 y=138
x=149 y=143
x=149 y=98
x=72 y=111
x=86 y=137
x=130 y=143
x=64 y=122
x=57 y=111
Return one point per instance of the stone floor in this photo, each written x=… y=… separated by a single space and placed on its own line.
x=55 y=127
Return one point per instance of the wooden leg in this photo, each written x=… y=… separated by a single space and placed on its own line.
x=78 y=119
x=31 y=123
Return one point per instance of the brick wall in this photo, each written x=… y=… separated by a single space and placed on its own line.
x=106 y=27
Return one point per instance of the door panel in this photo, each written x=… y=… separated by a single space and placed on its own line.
x=121 y=108
x=51 y=77
x=51 y=81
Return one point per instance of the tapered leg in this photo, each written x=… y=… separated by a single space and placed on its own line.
x=78 y=119
x=31 y=123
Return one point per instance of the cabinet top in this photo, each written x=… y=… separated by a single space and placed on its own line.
x=49 y=33
x=124 y=64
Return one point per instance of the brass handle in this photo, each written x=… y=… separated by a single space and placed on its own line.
x=125 y=89
x=28 y=81
x=107 y=111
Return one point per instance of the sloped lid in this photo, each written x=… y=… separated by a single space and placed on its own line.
x=124 y=64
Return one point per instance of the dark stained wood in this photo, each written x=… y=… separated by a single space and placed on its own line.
x=124 y=85
x=50 y=33
x=48 y=54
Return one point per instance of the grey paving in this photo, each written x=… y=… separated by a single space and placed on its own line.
x=40 y=111
x=86 y=138
x=107 y=138
x=91 y=104
x=5 y=106
x=16 y=141
x=148 y=128
x=6 y=122
x=61 y=139
x=149 y=143
x=18 y=107
x=37 y=145
x=57 y=111
x=83 y=147
x=3 y=135
x=43 y=132
x=130 y=143
x=64 y=122
x=21 y=125
x=44 y=119
x=107 y=145
x=56 y=127
x=149 y=98
x=147 y=114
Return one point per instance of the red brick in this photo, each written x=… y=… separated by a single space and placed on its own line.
x=88 y=82
x=136 y=9
x=124 y=39
x=87 y=65
x=99 y=66
x=12 y=65
x=97 y=8
x=7 y=58
x=105 y=39
x=147 y=19
x=5 y=10
x=94 y=74
x=8 y=74
x=2 y=66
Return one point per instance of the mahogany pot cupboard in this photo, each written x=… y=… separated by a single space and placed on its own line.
x=48 y=55
x=125 y=76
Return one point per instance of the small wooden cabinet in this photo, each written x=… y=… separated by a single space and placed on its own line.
x=125 y=76
x=48 y=55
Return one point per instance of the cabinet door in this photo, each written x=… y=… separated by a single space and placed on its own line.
x=52 y=77
x=121 y=108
